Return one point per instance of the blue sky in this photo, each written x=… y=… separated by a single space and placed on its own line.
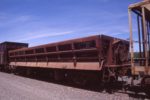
x=44 y=21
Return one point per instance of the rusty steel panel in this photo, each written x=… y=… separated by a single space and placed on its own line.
x=89 y=53
x=5 y=47
x=60 y=65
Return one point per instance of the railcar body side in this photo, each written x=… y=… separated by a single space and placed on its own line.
x=90 y=53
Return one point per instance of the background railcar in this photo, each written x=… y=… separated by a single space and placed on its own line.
x=4 y=48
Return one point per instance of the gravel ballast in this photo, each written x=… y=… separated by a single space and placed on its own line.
x=14 y=87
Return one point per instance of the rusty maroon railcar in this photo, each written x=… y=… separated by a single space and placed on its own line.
x=94 y=53
x=4 y=48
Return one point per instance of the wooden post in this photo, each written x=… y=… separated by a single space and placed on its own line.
x=131 y=40
x=145 y=39
x=139 y=36
x=148 y=44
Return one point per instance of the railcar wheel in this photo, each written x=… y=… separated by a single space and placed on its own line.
x=80 y=78
x=145 y=83
x=80 y=81
x=59 y=75
x=148 y=92
x=12 y=69
x=28 y=71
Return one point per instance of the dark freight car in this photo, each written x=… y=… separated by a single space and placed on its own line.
x=5 y=47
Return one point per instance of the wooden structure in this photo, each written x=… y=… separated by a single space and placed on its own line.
x=142 y=11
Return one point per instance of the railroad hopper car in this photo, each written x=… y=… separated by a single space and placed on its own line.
x=100 y=54
x=4 y=48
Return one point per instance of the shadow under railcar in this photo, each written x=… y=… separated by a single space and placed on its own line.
x=93 y=84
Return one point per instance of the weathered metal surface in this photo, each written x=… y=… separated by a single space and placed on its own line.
x=5 y=47
x=85 y=53
x=62 y=65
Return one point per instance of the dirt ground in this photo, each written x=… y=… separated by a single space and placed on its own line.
x=13 y=87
